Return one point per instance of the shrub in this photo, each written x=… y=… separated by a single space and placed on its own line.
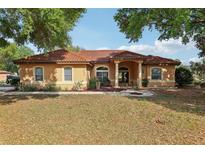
x=202 y=84
x=15 y=81
x=28 y=88
x=145 y=82
x=50 y=87
x=183 y=76
x=92 y=83
x=2 y=83
x=77 y=85
x=197 y=82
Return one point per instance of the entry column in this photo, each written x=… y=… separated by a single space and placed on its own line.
x=116 y=73
x=140 y=74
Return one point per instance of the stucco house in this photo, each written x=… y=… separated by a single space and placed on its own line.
x=63 y=68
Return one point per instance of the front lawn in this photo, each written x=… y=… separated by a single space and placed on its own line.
x=169 y=117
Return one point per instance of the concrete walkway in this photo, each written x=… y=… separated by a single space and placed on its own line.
x=144 y=93
x=59 y=93
x=6 y=88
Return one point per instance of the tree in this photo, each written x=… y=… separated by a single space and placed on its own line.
x=10 y=53
x=183 y=76
x=198 y=69
x=45 y=28
x=187 y=24
x=73 y=48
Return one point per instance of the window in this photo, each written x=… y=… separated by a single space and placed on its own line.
x=67 y=74
x=156 y=74
x=39 y=74
x=102 y=73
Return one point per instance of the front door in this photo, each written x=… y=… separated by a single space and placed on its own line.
x=123 y=76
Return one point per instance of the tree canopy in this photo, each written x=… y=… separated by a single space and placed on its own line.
x=73 y=48
x=45 y=28
x=198 y=69
x=187 y=24
x=10 y=53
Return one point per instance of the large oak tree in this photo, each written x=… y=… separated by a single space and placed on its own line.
x=187 y=24
x=10 y=53
x=45 y=28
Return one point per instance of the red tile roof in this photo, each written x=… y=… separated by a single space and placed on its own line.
x=159 y=60
x=57 y=56
x=92 y=56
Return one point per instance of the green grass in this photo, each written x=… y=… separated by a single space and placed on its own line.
x=166 y=118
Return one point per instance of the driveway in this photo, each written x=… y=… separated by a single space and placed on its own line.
x=6 y=88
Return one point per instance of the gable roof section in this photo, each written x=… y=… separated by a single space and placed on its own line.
x=127 y=55
x=62 y=56
x=159 y=60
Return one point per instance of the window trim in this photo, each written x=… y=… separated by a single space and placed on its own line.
x=34 y=73
x=63 y=74
x=161 y=74
x=108 y=70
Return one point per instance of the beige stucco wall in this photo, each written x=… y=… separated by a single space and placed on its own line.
x=54 y=74
x=168 y=73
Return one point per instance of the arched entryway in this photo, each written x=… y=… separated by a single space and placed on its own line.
x=123 y=76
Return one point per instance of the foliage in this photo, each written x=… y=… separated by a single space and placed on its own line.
x=77 y=85
x=50 y=87
x=2 y=83
x=198 y=69
x=43 y=27
x=28 y=87
x=15 y=81
x=197 y=82
x=92 y=83
x=202 y=84
x=10 y=53
x=176 y=23
x=145 y=82
x=72 y=48
x=183 y=76
x=31 y=88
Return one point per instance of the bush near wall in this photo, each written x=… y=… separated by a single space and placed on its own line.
x=145 y=82
x=92 y=83
x=30 y=88
x=183 y=76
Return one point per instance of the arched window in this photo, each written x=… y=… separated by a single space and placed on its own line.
x=67 y=74
x=123 y=69
x=102 y=73
x=156 y=73
x=39 y=74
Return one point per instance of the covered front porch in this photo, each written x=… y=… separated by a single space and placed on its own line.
x=122 y=70
x=128 y=69
x=128 y=73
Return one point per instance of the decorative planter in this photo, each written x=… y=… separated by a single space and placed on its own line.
x=98 y=85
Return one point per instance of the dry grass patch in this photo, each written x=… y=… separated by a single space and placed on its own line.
x=101 y=119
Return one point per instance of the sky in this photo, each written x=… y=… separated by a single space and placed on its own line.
x=98 y=30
